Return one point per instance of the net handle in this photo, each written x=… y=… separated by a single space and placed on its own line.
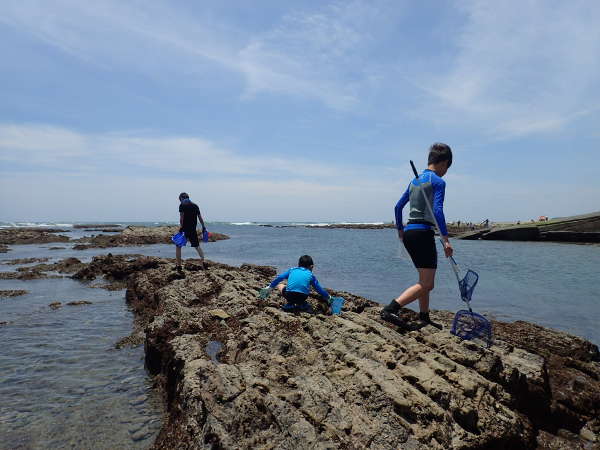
x=437 y=229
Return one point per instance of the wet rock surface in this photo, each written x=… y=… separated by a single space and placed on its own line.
x=237 y=372
x=133 y=236
x=13 y=293
x=19 y=236
x=25 y=275
x=14 y=262
x=4 y=248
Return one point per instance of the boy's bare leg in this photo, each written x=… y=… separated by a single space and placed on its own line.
x=178 y=256
x=424 y=302
x=419 y=290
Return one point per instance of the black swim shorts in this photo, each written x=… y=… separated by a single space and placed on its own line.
x=295 y=298
x=420 y=245
x=192 y=236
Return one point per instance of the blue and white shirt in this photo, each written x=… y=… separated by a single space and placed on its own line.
x=430 y=184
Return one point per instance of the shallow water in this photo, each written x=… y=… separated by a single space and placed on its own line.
x=63 y=383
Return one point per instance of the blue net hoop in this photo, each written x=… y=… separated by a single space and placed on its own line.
x=467 y=285
x=468 y=325
x=336 y=304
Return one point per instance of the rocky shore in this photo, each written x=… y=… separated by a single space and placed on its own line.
x=135 y=236
x=237 y=372
x=130 y=236
x=19 y=236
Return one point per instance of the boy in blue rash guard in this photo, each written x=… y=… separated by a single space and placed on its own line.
x=418 y=236
x=299 y=281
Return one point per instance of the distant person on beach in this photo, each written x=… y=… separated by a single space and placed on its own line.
x=299 y=281
x=418 y=235
x=189 y=213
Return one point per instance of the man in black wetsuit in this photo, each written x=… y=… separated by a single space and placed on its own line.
x=189 y=213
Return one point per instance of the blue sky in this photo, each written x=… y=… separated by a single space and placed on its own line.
x=273 y=110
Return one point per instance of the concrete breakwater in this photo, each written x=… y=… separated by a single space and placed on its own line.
x=351 y=381
x=583 y=228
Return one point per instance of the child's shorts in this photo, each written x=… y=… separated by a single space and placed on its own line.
x=420 y=245
x=295 y=298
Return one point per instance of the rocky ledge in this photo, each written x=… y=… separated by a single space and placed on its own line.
x=12 y=293
x=135 y=236
x=18 y=236
x=237 y=372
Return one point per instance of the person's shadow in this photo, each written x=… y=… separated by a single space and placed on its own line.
x=406 y=326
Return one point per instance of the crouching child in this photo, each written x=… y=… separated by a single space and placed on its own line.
x=299 y=281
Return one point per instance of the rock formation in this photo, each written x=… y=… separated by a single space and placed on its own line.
x=12 y=293
x=135 y=236
x=18 y=236
x=237 y=372
x=14 y=262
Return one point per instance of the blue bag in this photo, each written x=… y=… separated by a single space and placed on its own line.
x=336 y=304
x=205 y=236
x=179 y=239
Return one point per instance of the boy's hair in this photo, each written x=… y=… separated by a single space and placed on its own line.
x=438 y=153
x=305 y=261
x=183 y=195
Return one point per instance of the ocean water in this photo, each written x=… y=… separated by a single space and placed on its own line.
x=552 y=284
x=64 y=384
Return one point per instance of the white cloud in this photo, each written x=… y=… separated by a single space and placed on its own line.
x=519 y=68
x=44 y=139
x=303 y=55
x=319 y=54
x=134 y=197
x=49 y=146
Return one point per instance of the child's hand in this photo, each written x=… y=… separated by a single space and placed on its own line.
x=264 y=292
x=448 y=250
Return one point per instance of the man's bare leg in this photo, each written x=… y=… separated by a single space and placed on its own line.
x=178 y=256
x=201 y=255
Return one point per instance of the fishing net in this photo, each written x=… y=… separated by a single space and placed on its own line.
x=469 y=325
x=467 y=285
x=336 y=304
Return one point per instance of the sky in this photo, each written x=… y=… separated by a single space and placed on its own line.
x=296 y=111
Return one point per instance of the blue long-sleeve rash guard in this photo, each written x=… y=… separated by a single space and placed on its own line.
x=300 y=279
x=439 y=189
